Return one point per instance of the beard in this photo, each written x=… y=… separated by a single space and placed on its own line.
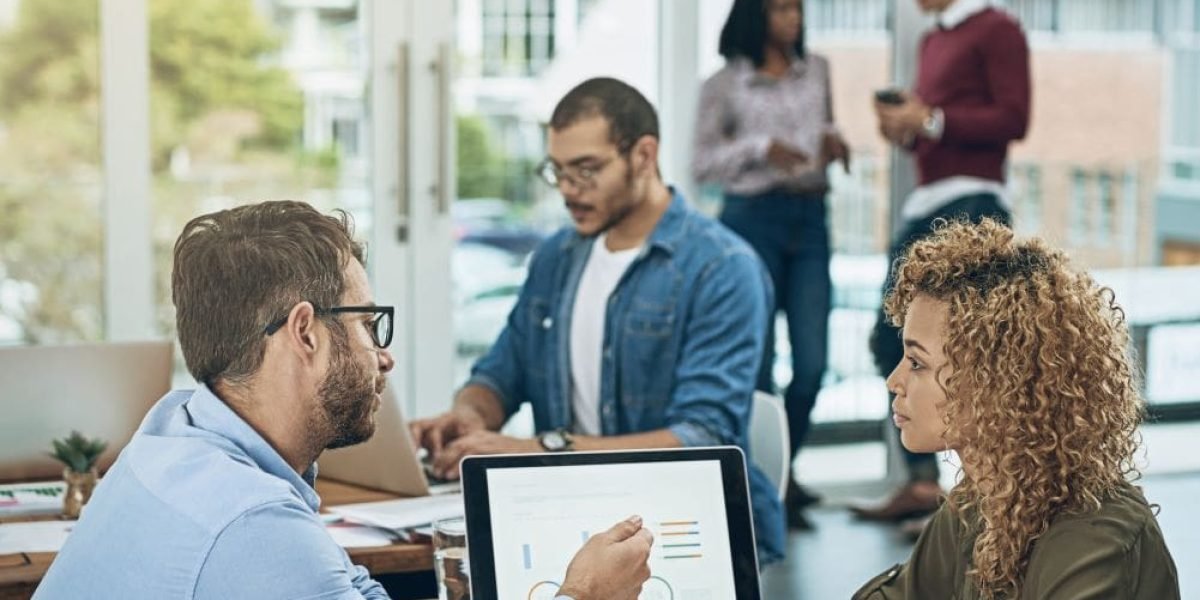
x=622 y=202
x=347 y=398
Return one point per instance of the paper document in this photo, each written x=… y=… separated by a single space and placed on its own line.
x=353 y=535
x=38 y=536
x=403 y=514
x=32 y=498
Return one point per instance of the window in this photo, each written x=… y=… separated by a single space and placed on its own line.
x=1025 y=181
x=51 y=174
x=846 y=16
x=1152 y=17
x=1077 y=233
x=345 y=131
x=1105 y=16
x=1104 y=201
x=1105 y=207
x=1087 y=16
x=518 y=37
x=1035 y=15
x=1130 y=199
x=285 y=121
x=1183 y=152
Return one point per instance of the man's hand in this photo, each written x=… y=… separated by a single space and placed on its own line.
x=445 y=463
x=611 y=565
x=785 y=157
x=433 y=434
x=901 y=123
x=834 y=148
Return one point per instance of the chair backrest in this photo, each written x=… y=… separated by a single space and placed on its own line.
x=770 y=448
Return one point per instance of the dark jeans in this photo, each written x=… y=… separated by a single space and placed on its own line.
x=885 y=339
x=790 y=234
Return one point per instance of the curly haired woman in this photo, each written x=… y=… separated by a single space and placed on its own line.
x=1020 y=365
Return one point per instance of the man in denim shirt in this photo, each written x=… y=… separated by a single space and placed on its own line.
x=640 y=327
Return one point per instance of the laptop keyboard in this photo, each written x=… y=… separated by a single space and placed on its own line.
x=437 y=485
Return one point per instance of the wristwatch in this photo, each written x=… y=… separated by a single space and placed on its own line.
x=556 y=440
x=934 y=125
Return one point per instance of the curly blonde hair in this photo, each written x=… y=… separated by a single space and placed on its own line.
x=1042 y=399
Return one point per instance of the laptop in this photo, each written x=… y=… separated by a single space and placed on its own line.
x=102 y=390
x=527 y=516
x=387 y=461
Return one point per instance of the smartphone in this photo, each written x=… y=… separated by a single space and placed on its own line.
x=889 y=96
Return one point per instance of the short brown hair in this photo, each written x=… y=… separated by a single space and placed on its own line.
x=237 y=270
x=629 y=114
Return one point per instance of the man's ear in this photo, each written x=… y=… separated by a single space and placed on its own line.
x=645 y=153
x=301 y=330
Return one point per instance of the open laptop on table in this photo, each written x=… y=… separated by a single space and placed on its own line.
x=101 y=390
x=527 y=515
x=387 y=461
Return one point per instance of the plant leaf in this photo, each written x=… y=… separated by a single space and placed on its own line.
x=77 y=452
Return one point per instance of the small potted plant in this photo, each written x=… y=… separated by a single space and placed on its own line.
x=79 y=455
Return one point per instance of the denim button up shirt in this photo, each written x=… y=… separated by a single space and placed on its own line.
x=683 y=339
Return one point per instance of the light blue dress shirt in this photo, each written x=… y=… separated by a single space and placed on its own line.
x=200 y=506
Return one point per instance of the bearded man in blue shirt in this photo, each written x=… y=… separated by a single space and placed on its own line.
x=641 y=326
x=214 y=498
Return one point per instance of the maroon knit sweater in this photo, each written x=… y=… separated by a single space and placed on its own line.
x=978 y=74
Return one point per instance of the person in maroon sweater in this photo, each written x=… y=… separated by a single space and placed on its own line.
x=972 y=100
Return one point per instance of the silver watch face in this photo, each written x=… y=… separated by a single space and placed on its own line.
x=930 y=125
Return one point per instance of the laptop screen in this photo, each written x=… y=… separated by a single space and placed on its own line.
x=541 y=516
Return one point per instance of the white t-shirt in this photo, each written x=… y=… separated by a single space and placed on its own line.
x=600 y=277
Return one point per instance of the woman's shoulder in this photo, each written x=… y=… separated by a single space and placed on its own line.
x=948 y=529
x=1116 y=547
x=817 y=60
x=732 y=69
x=814 y=66
x=1121 y=520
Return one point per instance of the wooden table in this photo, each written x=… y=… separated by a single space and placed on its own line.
x=21 y=573
x=400 y=557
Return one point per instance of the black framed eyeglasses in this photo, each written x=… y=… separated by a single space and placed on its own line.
x=380 y=327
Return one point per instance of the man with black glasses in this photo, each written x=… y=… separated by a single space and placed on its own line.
x=214 y=497
x=642 y=326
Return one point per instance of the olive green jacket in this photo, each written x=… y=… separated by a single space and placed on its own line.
x=1117 y=552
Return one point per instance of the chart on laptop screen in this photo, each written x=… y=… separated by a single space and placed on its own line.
x=541 y=516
